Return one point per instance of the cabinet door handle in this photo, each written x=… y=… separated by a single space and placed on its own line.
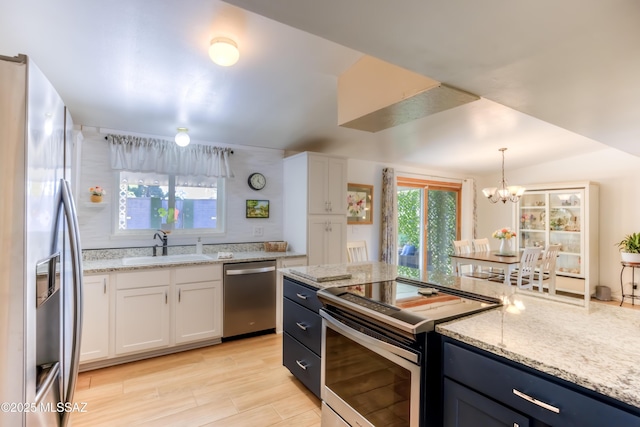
x=330 y=207
x=104 y=286
x=179 y=294
x=301 y=296
x=536 y=401
x=166 y=297
x=301 y=326
x=302 y=364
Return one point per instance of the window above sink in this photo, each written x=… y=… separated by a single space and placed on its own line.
x=151 y=201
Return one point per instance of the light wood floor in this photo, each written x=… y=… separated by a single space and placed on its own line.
x=237 y=383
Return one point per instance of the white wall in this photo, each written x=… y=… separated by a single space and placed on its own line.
x=616 y=173
x=96 y=220
x=370 y=173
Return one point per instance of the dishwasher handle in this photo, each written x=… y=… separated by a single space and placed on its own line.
x=240 y=271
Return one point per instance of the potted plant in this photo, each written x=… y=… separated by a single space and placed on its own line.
x=96 y=194
x=630 y=248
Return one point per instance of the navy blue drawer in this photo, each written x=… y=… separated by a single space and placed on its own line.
x=503 y=382
x=301 y=294
x=302 y=324
x=464 y=407
x=302 y=362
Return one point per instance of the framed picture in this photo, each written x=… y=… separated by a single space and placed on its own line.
x=359 y=204
x=257 y=209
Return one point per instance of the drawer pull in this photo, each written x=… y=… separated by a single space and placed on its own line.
x=302 y=364
x=536 y=401
x=301 y=296
x=301 y=326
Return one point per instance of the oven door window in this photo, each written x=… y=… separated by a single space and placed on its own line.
x=376 y=387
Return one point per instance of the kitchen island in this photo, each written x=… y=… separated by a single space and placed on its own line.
x=595 y=348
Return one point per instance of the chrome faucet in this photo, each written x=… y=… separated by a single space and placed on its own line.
x=163 y=239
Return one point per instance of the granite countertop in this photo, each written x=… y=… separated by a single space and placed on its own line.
x=595 y=347
x=107 y=265
x=362 y=272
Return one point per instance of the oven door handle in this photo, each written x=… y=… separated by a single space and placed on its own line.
x=357 y=336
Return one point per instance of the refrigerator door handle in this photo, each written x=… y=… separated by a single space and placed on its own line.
x=69 y=208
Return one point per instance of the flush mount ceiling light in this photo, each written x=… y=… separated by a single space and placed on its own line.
x=503 y=192
x=182 y=137
x=224 y=51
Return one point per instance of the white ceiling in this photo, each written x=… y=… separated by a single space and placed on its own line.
x=556 y=78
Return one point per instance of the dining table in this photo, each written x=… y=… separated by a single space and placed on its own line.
x=492 y=259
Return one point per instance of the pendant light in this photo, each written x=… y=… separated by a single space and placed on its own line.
x=182 y=137
x=224 y=51
x=503 y=192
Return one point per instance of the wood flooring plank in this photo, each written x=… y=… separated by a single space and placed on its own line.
x=235 y=383
x=306 y=419
x=262 y=416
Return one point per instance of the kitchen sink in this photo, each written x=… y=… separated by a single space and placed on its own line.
x=168 y=259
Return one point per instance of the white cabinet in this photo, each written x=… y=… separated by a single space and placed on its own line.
x=160 y=308
x=142 y=319
x=142 y=312
x=197 y=314
x=198 y=303
x=327 y=185
x=328 y=238
x=315 y=194
x=95 y=319
x=565 y=214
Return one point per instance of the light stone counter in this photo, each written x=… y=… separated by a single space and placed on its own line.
x=363 y=272
x=596 y=347
x=111 y=260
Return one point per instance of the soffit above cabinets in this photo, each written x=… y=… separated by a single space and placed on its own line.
x=374 y=95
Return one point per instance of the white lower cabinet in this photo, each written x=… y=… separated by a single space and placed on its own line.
x=327 y=239
x=133 y=314
x=95 y=320
x=160 y=308
x=142 y=319
x=198 y=311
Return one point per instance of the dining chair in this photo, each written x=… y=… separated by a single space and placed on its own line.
x=357 y=251
x=525 y=276
x=482 y=245
x=546 y=270
x=462 y=247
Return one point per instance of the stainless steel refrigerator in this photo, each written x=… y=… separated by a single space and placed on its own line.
x=40 y=256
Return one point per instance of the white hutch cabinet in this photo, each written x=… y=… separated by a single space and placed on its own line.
x=565 y=214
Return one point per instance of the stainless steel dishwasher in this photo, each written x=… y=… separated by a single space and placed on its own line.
x=249 y=298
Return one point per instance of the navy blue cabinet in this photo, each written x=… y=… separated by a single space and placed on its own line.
x=479 y=384
x=302 y=338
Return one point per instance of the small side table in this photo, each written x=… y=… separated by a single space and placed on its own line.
x=632 y=295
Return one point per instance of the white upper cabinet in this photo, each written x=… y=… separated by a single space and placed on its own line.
x=327 y=185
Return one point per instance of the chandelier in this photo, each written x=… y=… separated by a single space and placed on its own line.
x=503 y=192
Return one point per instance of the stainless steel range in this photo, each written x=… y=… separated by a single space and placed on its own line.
x=380 y=354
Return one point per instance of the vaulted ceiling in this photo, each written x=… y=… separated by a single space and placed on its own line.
x=555 y=78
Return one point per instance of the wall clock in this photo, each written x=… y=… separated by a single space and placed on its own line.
x=257 y=181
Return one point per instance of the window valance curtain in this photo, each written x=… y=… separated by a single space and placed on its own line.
x=139 y=154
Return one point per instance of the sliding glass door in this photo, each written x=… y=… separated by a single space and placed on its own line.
x=428 y=223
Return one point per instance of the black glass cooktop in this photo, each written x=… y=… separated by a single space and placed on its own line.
x=411 y=307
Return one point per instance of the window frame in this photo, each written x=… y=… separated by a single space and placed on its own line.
x=221 y=213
